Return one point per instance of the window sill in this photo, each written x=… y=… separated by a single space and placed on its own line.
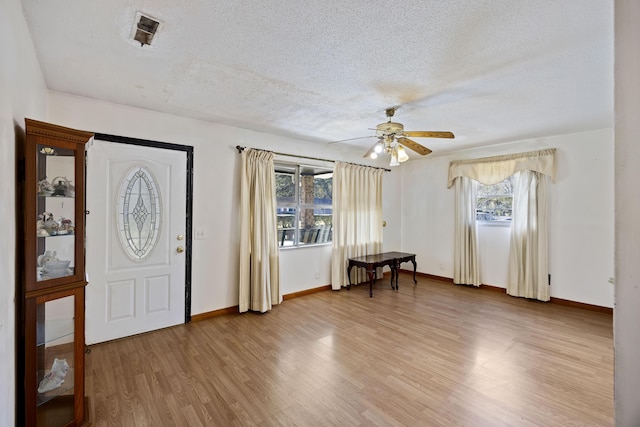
x=308 y=245
x=494 y=223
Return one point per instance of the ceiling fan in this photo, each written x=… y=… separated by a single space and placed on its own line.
x=392 y=138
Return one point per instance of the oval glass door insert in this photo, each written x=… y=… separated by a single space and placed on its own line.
x=139 y=213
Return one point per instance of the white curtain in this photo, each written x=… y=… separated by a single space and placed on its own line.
x=357 y=219
x=465 y=261
x=259 y=256
x=528 y=259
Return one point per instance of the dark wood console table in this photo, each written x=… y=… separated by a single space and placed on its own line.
x=371 y=262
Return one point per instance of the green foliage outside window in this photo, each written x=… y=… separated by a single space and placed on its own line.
x=285 y=187
x=323 y=188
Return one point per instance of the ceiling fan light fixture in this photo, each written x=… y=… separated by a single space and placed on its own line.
x=394 y=160
x=393 y=140
x=402 y=154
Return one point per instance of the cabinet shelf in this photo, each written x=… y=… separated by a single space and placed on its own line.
x=65 y=389
x=55 y=329
x=45 y=276
x=46 y=196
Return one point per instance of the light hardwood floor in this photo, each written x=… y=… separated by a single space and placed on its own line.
x=433 y=354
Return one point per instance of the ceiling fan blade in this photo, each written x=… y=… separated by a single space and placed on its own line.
x=428 y=134
x=367 y=155
x=420 y=149
x=351 y=139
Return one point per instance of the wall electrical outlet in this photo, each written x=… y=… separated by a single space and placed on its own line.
x=317 y=275
x=200 y=233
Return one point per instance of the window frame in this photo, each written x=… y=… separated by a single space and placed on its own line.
x=298 y=206
x=495 y=222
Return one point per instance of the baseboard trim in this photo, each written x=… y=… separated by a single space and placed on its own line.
x=215 y=313
x=607 y=310
x=235 y=309
x=559 y=301
x=306 y=292
x=429 y=276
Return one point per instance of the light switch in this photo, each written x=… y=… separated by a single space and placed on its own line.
x=200 y=233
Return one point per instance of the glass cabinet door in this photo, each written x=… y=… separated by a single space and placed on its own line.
x=54 y=206
x=55 y=209
x=54 y=369
x=55 y=361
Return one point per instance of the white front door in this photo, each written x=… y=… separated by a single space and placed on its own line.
x=135 y=263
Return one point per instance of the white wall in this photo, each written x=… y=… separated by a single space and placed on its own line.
x=493 y=250
x=298 y=268
x=580 y=217
x=581 y=226
x=627 y=234
x=216 y=190
x=22 y=94
x=427 y=215
x=392 y=210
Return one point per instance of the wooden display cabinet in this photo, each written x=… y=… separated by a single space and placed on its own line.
x=52 y=277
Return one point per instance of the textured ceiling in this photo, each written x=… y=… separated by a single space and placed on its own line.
x=490 y=71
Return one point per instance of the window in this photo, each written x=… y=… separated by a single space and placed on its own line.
x=304 y=204
x=495 y=202
x=139 y=213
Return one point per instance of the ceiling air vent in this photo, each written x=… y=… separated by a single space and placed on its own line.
x=145 y=29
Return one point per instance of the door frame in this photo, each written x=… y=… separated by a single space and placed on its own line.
x=188 y=149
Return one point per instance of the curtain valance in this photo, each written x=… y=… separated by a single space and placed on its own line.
x=492 y=170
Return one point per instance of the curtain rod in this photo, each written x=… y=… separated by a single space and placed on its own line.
x=241 y=149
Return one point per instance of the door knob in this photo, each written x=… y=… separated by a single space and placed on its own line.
x=180 y=249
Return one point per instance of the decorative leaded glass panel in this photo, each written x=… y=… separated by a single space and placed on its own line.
x=139 y=213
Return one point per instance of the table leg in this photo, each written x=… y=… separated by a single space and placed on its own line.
x=349 y=276
x=393 y=273
x=372 y=279
x=415 y=266
x=397 y=266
